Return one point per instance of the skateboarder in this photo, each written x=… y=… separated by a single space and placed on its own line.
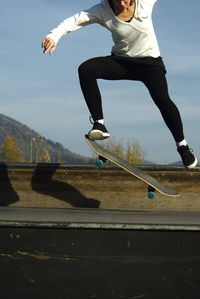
x=135 y=55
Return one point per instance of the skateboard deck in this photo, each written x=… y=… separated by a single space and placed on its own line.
x=140 y=174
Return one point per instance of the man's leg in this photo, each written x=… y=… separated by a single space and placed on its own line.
x=155 y=81
x=89 y=72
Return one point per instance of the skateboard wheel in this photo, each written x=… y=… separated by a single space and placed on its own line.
x=151 y=195
x=99 y=163
x=151 y=192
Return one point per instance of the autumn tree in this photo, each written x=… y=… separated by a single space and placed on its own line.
x=46 y=156
x=10 y=150
x=40 y=152
x=132 y=151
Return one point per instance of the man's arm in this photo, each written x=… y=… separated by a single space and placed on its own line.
x=71 y=24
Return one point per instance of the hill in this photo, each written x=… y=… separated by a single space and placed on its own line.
x=30 y=146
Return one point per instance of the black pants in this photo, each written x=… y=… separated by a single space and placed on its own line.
x=150 y=71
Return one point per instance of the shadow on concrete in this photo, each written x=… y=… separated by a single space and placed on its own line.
x=43 y=182
x=7 y=194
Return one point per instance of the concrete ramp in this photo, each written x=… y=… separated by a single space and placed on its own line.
x=86 y=253
x=80 y=233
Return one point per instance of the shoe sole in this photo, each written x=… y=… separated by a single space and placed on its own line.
x=193 y=165
x=97 y=135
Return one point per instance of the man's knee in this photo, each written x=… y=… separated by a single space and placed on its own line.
x=86 y=68
x=82 y=69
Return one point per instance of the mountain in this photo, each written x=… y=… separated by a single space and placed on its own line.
x=33 y=147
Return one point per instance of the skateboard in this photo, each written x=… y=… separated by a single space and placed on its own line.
x=152 y=183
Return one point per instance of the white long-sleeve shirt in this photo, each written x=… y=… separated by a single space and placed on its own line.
x=131 y=39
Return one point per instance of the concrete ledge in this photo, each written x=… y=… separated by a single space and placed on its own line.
x=99 y=219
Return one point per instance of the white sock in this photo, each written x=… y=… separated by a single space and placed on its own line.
x=101 y=121
x=183 y=142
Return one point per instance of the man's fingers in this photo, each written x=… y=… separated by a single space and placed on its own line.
x=49 y=49
x=48 y=45
x=52 y=49
x=44 y=42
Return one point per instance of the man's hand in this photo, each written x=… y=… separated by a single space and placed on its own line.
x=48 y=45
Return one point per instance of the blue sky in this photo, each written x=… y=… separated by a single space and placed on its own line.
x=43 y=91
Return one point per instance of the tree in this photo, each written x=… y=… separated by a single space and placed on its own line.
x=135 y=154
x=46 y=158
x=11 y=151
x=40 y=150
x=132 y=151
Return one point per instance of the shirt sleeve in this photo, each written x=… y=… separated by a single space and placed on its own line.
x=144 y=8
x=79 y=20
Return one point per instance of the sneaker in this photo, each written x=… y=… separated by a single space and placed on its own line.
x=98 y=132
x=188 y=158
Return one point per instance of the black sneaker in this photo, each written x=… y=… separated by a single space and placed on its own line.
x=188 y=158
x=98 y=132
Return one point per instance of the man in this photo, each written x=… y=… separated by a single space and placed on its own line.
x=135 y=55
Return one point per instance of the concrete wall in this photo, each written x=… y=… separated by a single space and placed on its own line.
x=61 y=186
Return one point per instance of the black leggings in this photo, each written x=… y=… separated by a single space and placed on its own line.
x=146 y=70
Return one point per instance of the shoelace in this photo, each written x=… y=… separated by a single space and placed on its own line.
x=189 y=149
